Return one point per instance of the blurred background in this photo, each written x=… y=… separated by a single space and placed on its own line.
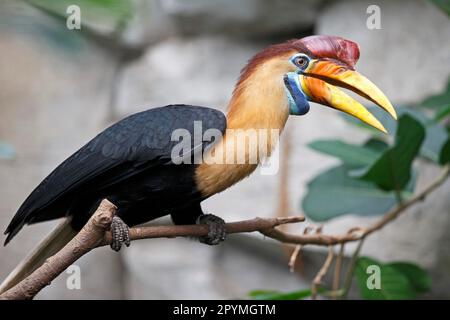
x=60 y=87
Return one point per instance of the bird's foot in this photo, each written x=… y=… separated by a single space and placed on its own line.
x=216 y=226
x=120 y=234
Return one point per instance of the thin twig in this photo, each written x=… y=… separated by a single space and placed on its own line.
x=294 y=256
x=322 y=272
x=296 y=253
x=351 y=269
x=338 y=268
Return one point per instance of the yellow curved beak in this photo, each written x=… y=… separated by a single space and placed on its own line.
x=321 y=80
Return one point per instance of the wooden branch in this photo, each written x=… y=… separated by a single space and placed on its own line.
x=95 y=233
x=88 y=238
x=256 y=224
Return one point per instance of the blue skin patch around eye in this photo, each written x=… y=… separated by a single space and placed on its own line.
x=298 y=102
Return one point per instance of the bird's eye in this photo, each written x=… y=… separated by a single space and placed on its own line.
x=301 y=61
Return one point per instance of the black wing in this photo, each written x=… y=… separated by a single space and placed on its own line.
x=121 y=151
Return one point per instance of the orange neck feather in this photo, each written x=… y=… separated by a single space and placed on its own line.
x=258 y=102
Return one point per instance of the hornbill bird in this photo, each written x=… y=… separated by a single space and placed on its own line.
x=131 y=163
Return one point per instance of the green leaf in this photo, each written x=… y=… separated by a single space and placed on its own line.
x=442 y=113
x=6 y=151
x=435 y=140
x=255 y=294
x=394 y=284
x=392 y=170
x=334 y=193
x=98 y=18
x=444 y=5
x=436 y=134
x=376 y=145
x=444 y=157
x=277 y=295
x=103 y=14
x=398 y=280
x=417 y=276
x=350 y=154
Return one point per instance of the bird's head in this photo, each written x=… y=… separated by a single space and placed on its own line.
x=313 y=69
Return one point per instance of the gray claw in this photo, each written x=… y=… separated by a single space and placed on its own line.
x=120 y=234
x=216 y=226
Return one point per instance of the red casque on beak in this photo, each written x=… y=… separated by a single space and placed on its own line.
x=333 y=68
